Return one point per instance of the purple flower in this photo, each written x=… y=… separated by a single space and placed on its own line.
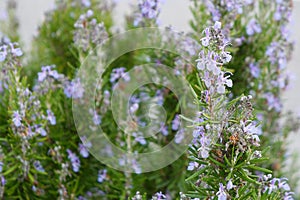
x=221 y=193
x=239 y=41
x=217 y=25
x=222 y=82
x=48 y=72
x=3 y=53
x=1 y=166
x=198 y=132
x=176 y=123
x=10 y=49
x=216 y=15
x=179 y=136
x=226 y=57
x=272 y=186
x=96 y=117
x=205 y=143
x=272 y=51
x=16 y=118
x=83 y=151
x=164 y=129
x=51 y=118
x=149 y=9
x=136 y=167
x=30 y=133
x=288 y=196
x=74 y=89
x=41 y=131
x=86 y=3
x=206 y=39
x=254 y=69
x=74 y=160
x=102 y=175
x=133 y=108
x=253 y=27
x=273 y=102
x=160 y=196
x=138 y=137
x=17 y=52
x=38 y=166
x=192 y=166
x=119 y=73
x=229 y=185
x=283 y=184
x=207 y=78
x=3 y=181
x=83 y=148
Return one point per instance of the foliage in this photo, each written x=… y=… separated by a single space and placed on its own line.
x=234 y=63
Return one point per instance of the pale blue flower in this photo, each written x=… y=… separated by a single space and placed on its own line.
x=253 y=27
x=86 y=3
x=221 y=193
x=159 y=196
x=1 y=166
x=192 y=165
x=38 y=166
x=179 y=136
x=17 y=118
x=229 y=185
x=3 y=53
x=176 y=123
x=41 y=131
x=74 y=89
x=51 y=118
x=74 y=160
x=83 y=151
x=102 y=175
x=254 y=69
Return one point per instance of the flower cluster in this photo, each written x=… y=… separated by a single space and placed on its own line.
x=270 y=185
x=8 y=50
x=88 y=31
x=148 y=10
x=210 y=62
x=47 y=80
x=262 y=46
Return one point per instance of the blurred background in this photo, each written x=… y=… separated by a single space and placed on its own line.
x=175 y=13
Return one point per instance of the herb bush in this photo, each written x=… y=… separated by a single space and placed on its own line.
x=234 y=131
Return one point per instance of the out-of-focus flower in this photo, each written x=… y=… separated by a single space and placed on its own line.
x=253 y=27
x=176 y=123
x=221 y=193
x=17 y=118
x=74 y=160
x=148 y=9
x=74 y=89
x=192 y=166
x=102 y=175
x=86 y=3
x=51 y=118
x=118 y=73
x=89 y=32
x=159 y=196
x=48 y=72
x=38 y=166
x=254 y=69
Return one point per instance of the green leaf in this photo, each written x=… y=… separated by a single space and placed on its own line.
x=244 y=176
x=217 y=162
x=260 y=169
x=196 y=173
x=10 y=170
